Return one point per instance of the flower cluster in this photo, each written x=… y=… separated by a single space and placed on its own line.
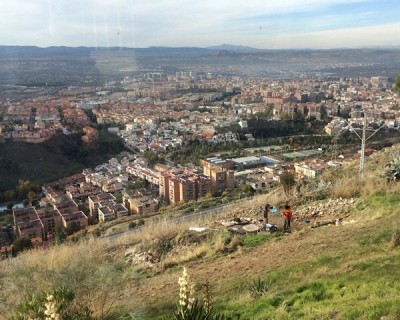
x=51 y=311
x=186 y=290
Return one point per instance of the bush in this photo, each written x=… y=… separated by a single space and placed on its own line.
x=393 y=169
x=132 y=225
x=396 y=238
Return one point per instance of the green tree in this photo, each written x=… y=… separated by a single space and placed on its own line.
x=59 y=235
x=10 y=205
x=72 y=228
x=151 y=157
x=118 y=197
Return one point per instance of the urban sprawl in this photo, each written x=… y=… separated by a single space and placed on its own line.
x=160 y=113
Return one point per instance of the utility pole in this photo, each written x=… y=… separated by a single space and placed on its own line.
x=363 y=139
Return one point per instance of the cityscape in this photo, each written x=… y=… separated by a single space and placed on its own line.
x=212 y=160
x=233 y=122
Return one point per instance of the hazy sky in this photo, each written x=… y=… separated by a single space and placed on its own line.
x=257 y=23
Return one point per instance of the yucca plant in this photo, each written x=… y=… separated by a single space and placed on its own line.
x=58 y=304
x=190 y=308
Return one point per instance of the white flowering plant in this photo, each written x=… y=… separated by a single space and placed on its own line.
x=189 y=307
x=58 y=304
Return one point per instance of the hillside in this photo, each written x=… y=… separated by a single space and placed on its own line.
x=349 y=271
x=53 y=159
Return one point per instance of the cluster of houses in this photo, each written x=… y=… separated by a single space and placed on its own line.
x=74 y=202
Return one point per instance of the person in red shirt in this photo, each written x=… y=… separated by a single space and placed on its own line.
x=287 y=217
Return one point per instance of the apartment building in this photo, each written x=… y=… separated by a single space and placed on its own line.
x=179 y=185
x=77 y=218
x=51 y=218
x=99 y=200
x=140 y=202
x=112 y=211
x=220 y=172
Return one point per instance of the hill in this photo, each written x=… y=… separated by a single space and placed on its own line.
x=53 y=159
x=348 y=271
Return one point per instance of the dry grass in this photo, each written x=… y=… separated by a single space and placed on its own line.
x=195 y=253
x=82 y=267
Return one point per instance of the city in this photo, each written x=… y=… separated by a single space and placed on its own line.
x=208 y=160
x=158 y=116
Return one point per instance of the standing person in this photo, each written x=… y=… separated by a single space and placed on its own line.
x=265 y=212
x=288 y=217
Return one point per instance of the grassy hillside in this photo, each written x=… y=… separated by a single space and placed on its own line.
x=349 y=271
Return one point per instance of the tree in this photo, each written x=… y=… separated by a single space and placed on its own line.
x=151 y=158
x=31 y=196
x=118 y=197
x=10 y=205
x=287 y=181
x=72 y=228
x=22 y=244
x=59 y=235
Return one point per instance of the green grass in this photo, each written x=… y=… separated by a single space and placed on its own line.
x=359 y=281
x=254 y=240
x=381 y=200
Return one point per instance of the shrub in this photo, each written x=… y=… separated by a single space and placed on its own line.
x=132 y=225
x=393 y=169
x=396 y=238
x=165 y=246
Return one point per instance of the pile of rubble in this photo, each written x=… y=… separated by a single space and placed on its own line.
x=333 y=208
x=135 y=257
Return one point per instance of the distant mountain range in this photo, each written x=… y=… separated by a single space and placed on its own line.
x=232 y=47
x=160 y=50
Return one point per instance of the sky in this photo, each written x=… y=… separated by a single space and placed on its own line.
x=264 y=24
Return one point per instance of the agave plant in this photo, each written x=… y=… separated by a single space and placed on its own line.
x=393 y=169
